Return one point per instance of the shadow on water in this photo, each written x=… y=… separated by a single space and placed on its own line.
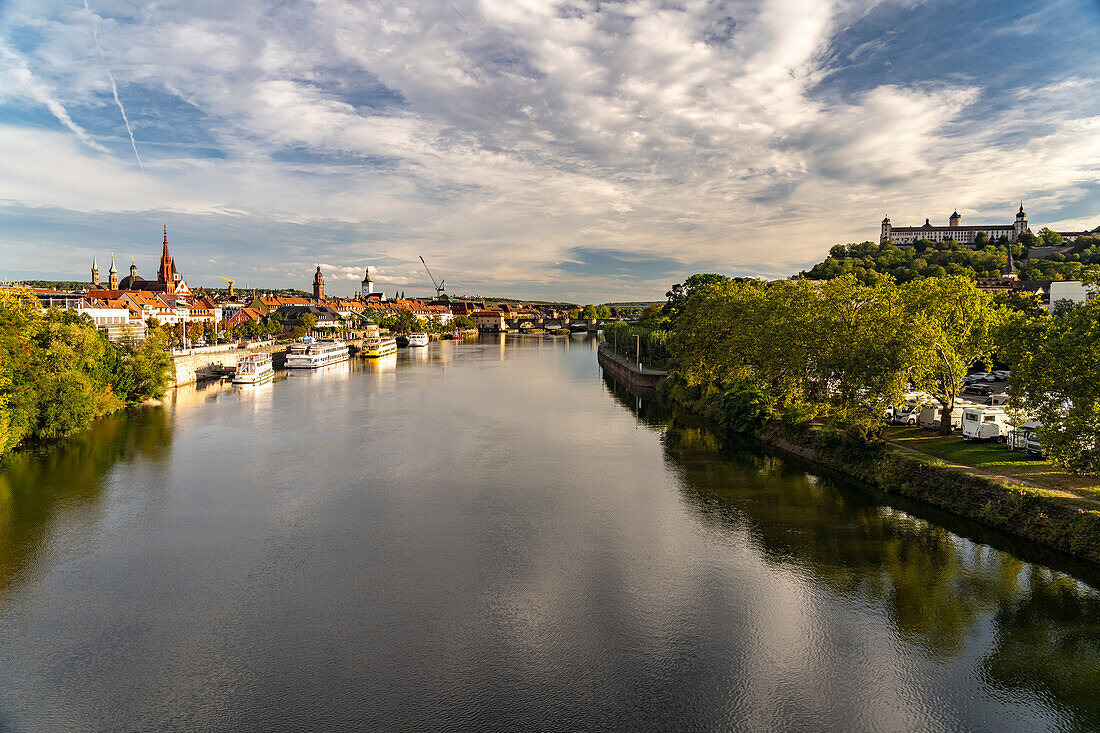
x=36 y=484
x=936 y=577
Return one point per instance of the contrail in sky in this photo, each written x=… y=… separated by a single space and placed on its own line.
x=114 y=88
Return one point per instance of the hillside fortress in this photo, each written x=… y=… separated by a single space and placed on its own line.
x=906 y=236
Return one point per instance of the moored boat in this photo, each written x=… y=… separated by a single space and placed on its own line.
x=254 y=369
x=418 y=339
x=313 y=354
x=377 y=346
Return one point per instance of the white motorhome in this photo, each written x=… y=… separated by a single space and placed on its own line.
x=1019 y=437
x=985 y=423
x=930 y=416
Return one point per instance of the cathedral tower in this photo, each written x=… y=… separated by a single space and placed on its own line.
x=95 y=272
x=112 y=274
x=318 y=285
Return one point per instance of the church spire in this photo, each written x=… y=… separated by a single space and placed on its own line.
x=112 y=274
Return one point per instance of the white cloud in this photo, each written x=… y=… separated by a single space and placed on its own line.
x=497 y=137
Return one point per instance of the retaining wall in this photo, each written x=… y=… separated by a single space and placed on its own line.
x=642 y=383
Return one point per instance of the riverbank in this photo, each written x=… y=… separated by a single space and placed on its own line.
x=1030 y=512
x=641 y=380
x=1060 y=519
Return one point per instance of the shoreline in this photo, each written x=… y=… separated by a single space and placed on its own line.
x=1022 y=511
x=1018 y=510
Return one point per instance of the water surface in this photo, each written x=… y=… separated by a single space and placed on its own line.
x=491 y=536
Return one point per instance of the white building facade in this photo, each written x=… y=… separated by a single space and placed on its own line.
x=906 y=236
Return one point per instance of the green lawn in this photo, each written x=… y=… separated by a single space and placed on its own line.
x=997 y=458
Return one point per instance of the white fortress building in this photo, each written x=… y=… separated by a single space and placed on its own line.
x=906 y=236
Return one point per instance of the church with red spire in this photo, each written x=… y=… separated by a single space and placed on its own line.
x=168 y=282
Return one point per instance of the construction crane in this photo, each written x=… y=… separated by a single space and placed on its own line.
x=441 y=286
x=230 y=286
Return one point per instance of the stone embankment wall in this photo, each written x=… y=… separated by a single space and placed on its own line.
x=642 y=383
x=200 y=364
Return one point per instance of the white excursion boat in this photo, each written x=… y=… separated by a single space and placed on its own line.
x=254 y=369
x=313 y=354
x=418 y=339
x=377 y=346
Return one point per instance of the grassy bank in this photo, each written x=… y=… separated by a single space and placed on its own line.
x=1063 y=519
x=997 y=461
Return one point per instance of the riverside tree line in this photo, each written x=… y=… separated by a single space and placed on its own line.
x=841 y=351
x=58 y=372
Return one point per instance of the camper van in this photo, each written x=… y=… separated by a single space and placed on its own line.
x=907 y=412
x=985 y=423
x=1033 y=447
x=1018 y=438
x=929 y=417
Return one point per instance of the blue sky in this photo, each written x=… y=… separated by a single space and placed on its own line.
x=580 y=150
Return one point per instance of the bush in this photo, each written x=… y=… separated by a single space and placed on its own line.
x=744 y=407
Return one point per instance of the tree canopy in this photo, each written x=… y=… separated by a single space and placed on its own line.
x=869 y=261
x=58 y=372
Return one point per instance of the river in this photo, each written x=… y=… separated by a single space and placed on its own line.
x=490 y=536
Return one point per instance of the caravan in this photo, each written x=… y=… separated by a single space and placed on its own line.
x=929 y=417
x=985 y=423
x=908 y=411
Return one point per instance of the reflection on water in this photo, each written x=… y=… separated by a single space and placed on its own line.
x=39 y=488
x=487 y=535
x=939 y=590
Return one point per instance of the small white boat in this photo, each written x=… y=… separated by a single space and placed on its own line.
x=378 y=346
x=418 y=339
x=313 y=354
x=254 y=369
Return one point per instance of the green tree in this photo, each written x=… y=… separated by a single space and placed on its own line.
x=680 y=292
x=953 y=326
x=307 y=321
x=1050 y=238
x=1055 y=369
x=151 y=366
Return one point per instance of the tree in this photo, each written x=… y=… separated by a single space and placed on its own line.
x=307 y=321
x=679 y=294
x=954 y=325
x=275 y=323
x=463 y=322
x=151 y=366
x=602 y=311
x=1055 y=369
x=1050 y=238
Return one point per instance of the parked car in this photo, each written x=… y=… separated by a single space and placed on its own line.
x=1002 y=375
x=982 y=390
